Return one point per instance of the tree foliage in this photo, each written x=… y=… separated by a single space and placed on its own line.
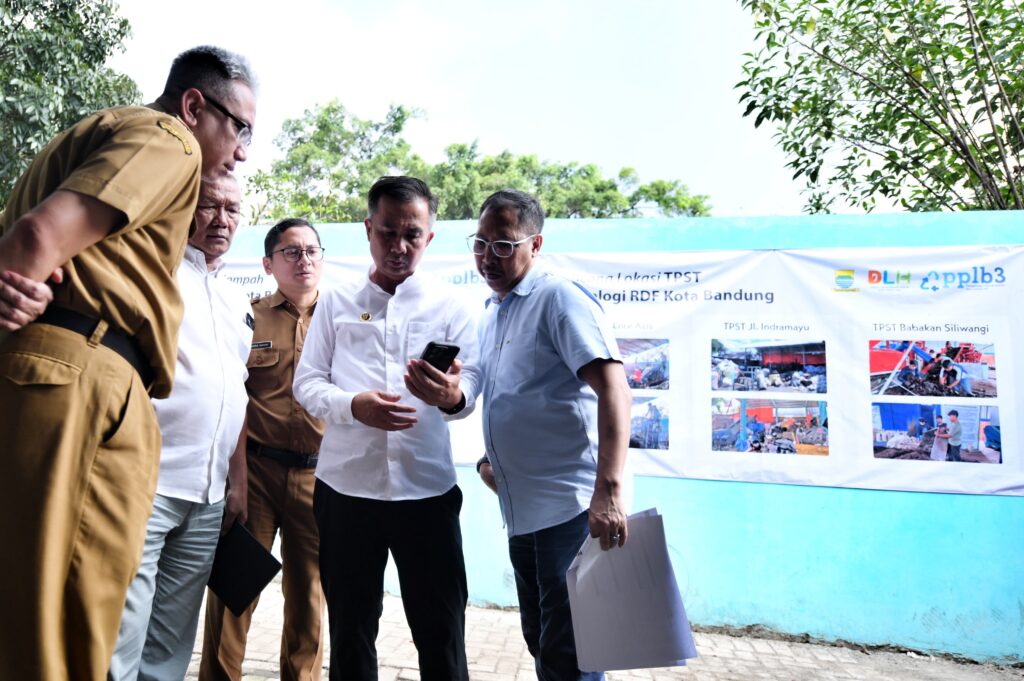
x=332 y=158
x=916 y=101
x=52 y=73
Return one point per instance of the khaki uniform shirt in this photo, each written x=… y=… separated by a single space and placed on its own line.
x=275 y=418
x=146 y=164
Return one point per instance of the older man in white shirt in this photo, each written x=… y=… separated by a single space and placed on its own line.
x=385 y=478
x=201 y=423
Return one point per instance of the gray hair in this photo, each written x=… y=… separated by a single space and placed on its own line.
x=529 y=214
x=210 y=69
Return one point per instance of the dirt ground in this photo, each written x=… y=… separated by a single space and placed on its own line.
x=913 y=386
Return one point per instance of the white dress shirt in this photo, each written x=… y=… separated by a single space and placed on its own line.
x=202 y=417
x=361 y=338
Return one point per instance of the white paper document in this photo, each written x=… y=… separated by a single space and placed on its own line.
x=626 y=609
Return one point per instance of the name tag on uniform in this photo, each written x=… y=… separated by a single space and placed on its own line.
x=262 y=345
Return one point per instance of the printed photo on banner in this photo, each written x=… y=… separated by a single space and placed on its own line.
x=646 y=362
x=937 y=432
x=932 y=368
x=648 y=423
x=768 y=365
x=769 y=426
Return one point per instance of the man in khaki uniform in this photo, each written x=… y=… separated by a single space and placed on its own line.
x=110 y=200
x=282 y=454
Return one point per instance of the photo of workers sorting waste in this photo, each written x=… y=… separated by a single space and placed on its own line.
x=645 y=361
x=768 y=365
x=932 y=368
x=937 y=432
x=648 y=423
x=769 y=426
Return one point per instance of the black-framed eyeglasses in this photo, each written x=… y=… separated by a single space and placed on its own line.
x=244 y=134
x=294 y=253
x=500 y=248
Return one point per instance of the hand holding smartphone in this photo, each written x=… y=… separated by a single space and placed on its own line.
x=440 y=355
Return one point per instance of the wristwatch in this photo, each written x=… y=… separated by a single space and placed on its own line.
x=457 y=408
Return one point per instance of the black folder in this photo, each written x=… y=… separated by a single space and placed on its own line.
x=241 y=568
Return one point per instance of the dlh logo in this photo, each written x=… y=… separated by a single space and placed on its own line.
x=886 y=278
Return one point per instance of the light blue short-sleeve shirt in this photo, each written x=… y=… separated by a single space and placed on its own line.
x=539 y=418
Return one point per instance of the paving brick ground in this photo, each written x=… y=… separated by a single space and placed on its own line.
x=496 y=652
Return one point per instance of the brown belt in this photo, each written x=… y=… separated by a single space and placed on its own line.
x=285 y=457
x=115 y=339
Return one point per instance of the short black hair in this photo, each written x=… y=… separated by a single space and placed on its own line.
x=529 y=214
x=210 y=69
x=273 y=237
x=953 y=412
x=400 y=188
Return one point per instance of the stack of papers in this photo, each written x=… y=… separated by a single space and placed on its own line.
x=626 y=609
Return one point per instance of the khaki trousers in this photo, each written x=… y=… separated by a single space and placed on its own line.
x=279 y=498
x=80 y=456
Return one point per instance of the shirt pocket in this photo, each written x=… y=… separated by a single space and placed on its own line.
x=518 y=363
x=417 y=335
x=358 y=358
x=264 y=372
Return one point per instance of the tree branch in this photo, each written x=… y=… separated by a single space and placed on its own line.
x=972 y=26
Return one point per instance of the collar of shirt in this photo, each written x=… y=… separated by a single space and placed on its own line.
x=523 y=288
x=197 y=259
x=278 y=299
x=412 y=285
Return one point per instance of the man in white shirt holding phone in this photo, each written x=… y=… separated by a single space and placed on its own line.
x=385 y=478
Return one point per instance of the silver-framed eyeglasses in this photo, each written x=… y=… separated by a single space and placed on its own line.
x=500 y=248
x=294 y=253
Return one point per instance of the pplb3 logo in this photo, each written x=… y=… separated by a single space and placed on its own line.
x=976 y=277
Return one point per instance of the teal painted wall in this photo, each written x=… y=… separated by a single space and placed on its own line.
x=933 y=572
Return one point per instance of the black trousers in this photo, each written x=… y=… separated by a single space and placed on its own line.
x=425 y=538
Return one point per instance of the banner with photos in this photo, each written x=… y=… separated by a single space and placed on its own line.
x=888 y=368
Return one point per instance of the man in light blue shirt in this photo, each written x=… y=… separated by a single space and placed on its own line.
x=556 y=422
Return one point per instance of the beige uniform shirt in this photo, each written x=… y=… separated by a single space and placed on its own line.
x=146 y=164
x=275 y=418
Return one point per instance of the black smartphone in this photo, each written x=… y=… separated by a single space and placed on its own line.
x=440 y=355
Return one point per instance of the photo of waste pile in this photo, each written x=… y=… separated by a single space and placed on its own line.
x=937 y=432
x=768 y=365
x=932 y=368
x=648 y=423
x=645 y=361
x=769 y=426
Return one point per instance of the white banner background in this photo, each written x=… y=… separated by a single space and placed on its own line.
x=689 y=298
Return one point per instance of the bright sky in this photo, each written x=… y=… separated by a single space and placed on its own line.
x=646 y=84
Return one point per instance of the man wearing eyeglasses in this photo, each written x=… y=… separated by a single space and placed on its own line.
x=109 y=202
x=201 y=423
x=282 y=451
x=385 y=478
x=549 y=360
